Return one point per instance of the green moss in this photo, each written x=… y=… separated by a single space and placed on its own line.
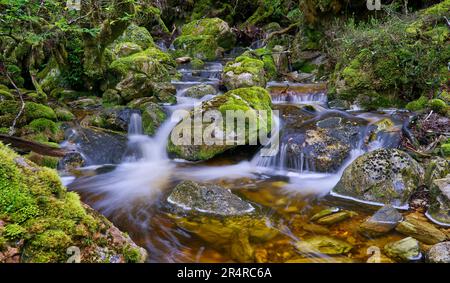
x=438 y=105
x=197 y=63
x=214 y=27
x=6 y=95
x=13 y=231
x=137 y=35
x=418 y=104
x=445 y=148
x=63 y=114
x=445 y=96
x=35 y=111
x=265 y=56
x=131 y=254
x=202 y=47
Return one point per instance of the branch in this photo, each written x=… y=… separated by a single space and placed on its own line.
x=22 y=106
x=281 y=31
x=33 y=146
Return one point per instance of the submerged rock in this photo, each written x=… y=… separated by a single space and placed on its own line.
x=324 y=245
x=383 y=221
x=419 y=229
x=406 y=249
x=439 y=210
x=255 y=100
x=331 y=216
x=439 y=253
x=208 y=198
x=387 y=176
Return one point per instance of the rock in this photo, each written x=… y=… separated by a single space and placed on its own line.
x=45 y=230
x=115 y=119
x=324 y=212
x=86 y=103
x=70 y=161
x=406 y=249
x=383 y=221
x=437 y=168
x=244 y=72
x=198 y=91
x=334 y=218
x=125 y=49
x=135 y=35
x=204 y=39
x=245 y=99
x=142 y=74
x=280 y=58
x=384 y=176
x=439 y=210
x=208 y=198
x=339 y=104
x=316 y=229
x=420 y=230
x=324 y=245
x=439 y=253
x=153 y=116
x=183 y=60
x=96 y=146
x=300 y=77
x=240 y=248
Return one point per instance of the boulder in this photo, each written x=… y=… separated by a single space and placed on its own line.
x=251 y=99
x=198 y=91
x=142 y=74
x=244 y=72
x=404 y=250
x=209 y=199
x=439 y=253
x=439 y=210
x=383 y=176
x=383 y=221
x=204 y=39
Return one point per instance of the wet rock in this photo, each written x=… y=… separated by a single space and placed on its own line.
x=316 y=229
x=406 y=249
x=125 y=49
x=153 y=115
x=383 y=221
x=439 y=253
x=245 y=99
x=86 y=103
x=240 y=249
x=113 y=119
x=334 y=218
x=71 y=161
x=208 y=198
x=326 y=152
x=338 y=104
x=324 y=245
x=425 y=232
x=324 y=212
x=198 y=91
x=385 y=176
x=96 y=146
x=439 y=210
x=244 y=72
x=280 y=58
x=437 y=168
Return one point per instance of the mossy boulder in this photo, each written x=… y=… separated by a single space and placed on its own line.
x=208 y=199
x=125 y=49
x=323 y=244
x=136 y=35
x=383 y=176
x=417 y=227
x=10 y=108
x=42 y=220
x=204 y=39
x=140 y=74
x=244 y=72
x=43 y=130
x=215 y=27
x=251 y=99
x=267 y=56
x=202 y=47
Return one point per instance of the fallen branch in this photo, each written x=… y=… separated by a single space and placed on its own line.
x=12 y=129
x=33 y=146
x=281 y=31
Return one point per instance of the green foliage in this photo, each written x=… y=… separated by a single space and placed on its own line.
x=438 y=106
x=418 y=104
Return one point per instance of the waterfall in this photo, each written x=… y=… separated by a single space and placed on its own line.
x=135 y=125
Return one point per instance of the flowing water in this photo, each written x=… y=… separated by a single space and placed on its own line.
x=133 y=193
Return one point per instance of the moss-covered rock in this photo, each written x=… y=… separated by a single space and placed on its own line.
x=404 y=250
x=215 y=27
x=323 y=244
x=136 y=35
x=244 y=72
x=140 y=75
x=43 y=130
x=383 y=176
x=43 y=220
x=202 y=47
x=198 y=91
x=10 y=108
x=204 y=39
x=245 y=99
x=421 y=230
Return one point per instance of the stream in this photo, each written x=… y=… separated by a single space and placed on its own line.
x=287 y=187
